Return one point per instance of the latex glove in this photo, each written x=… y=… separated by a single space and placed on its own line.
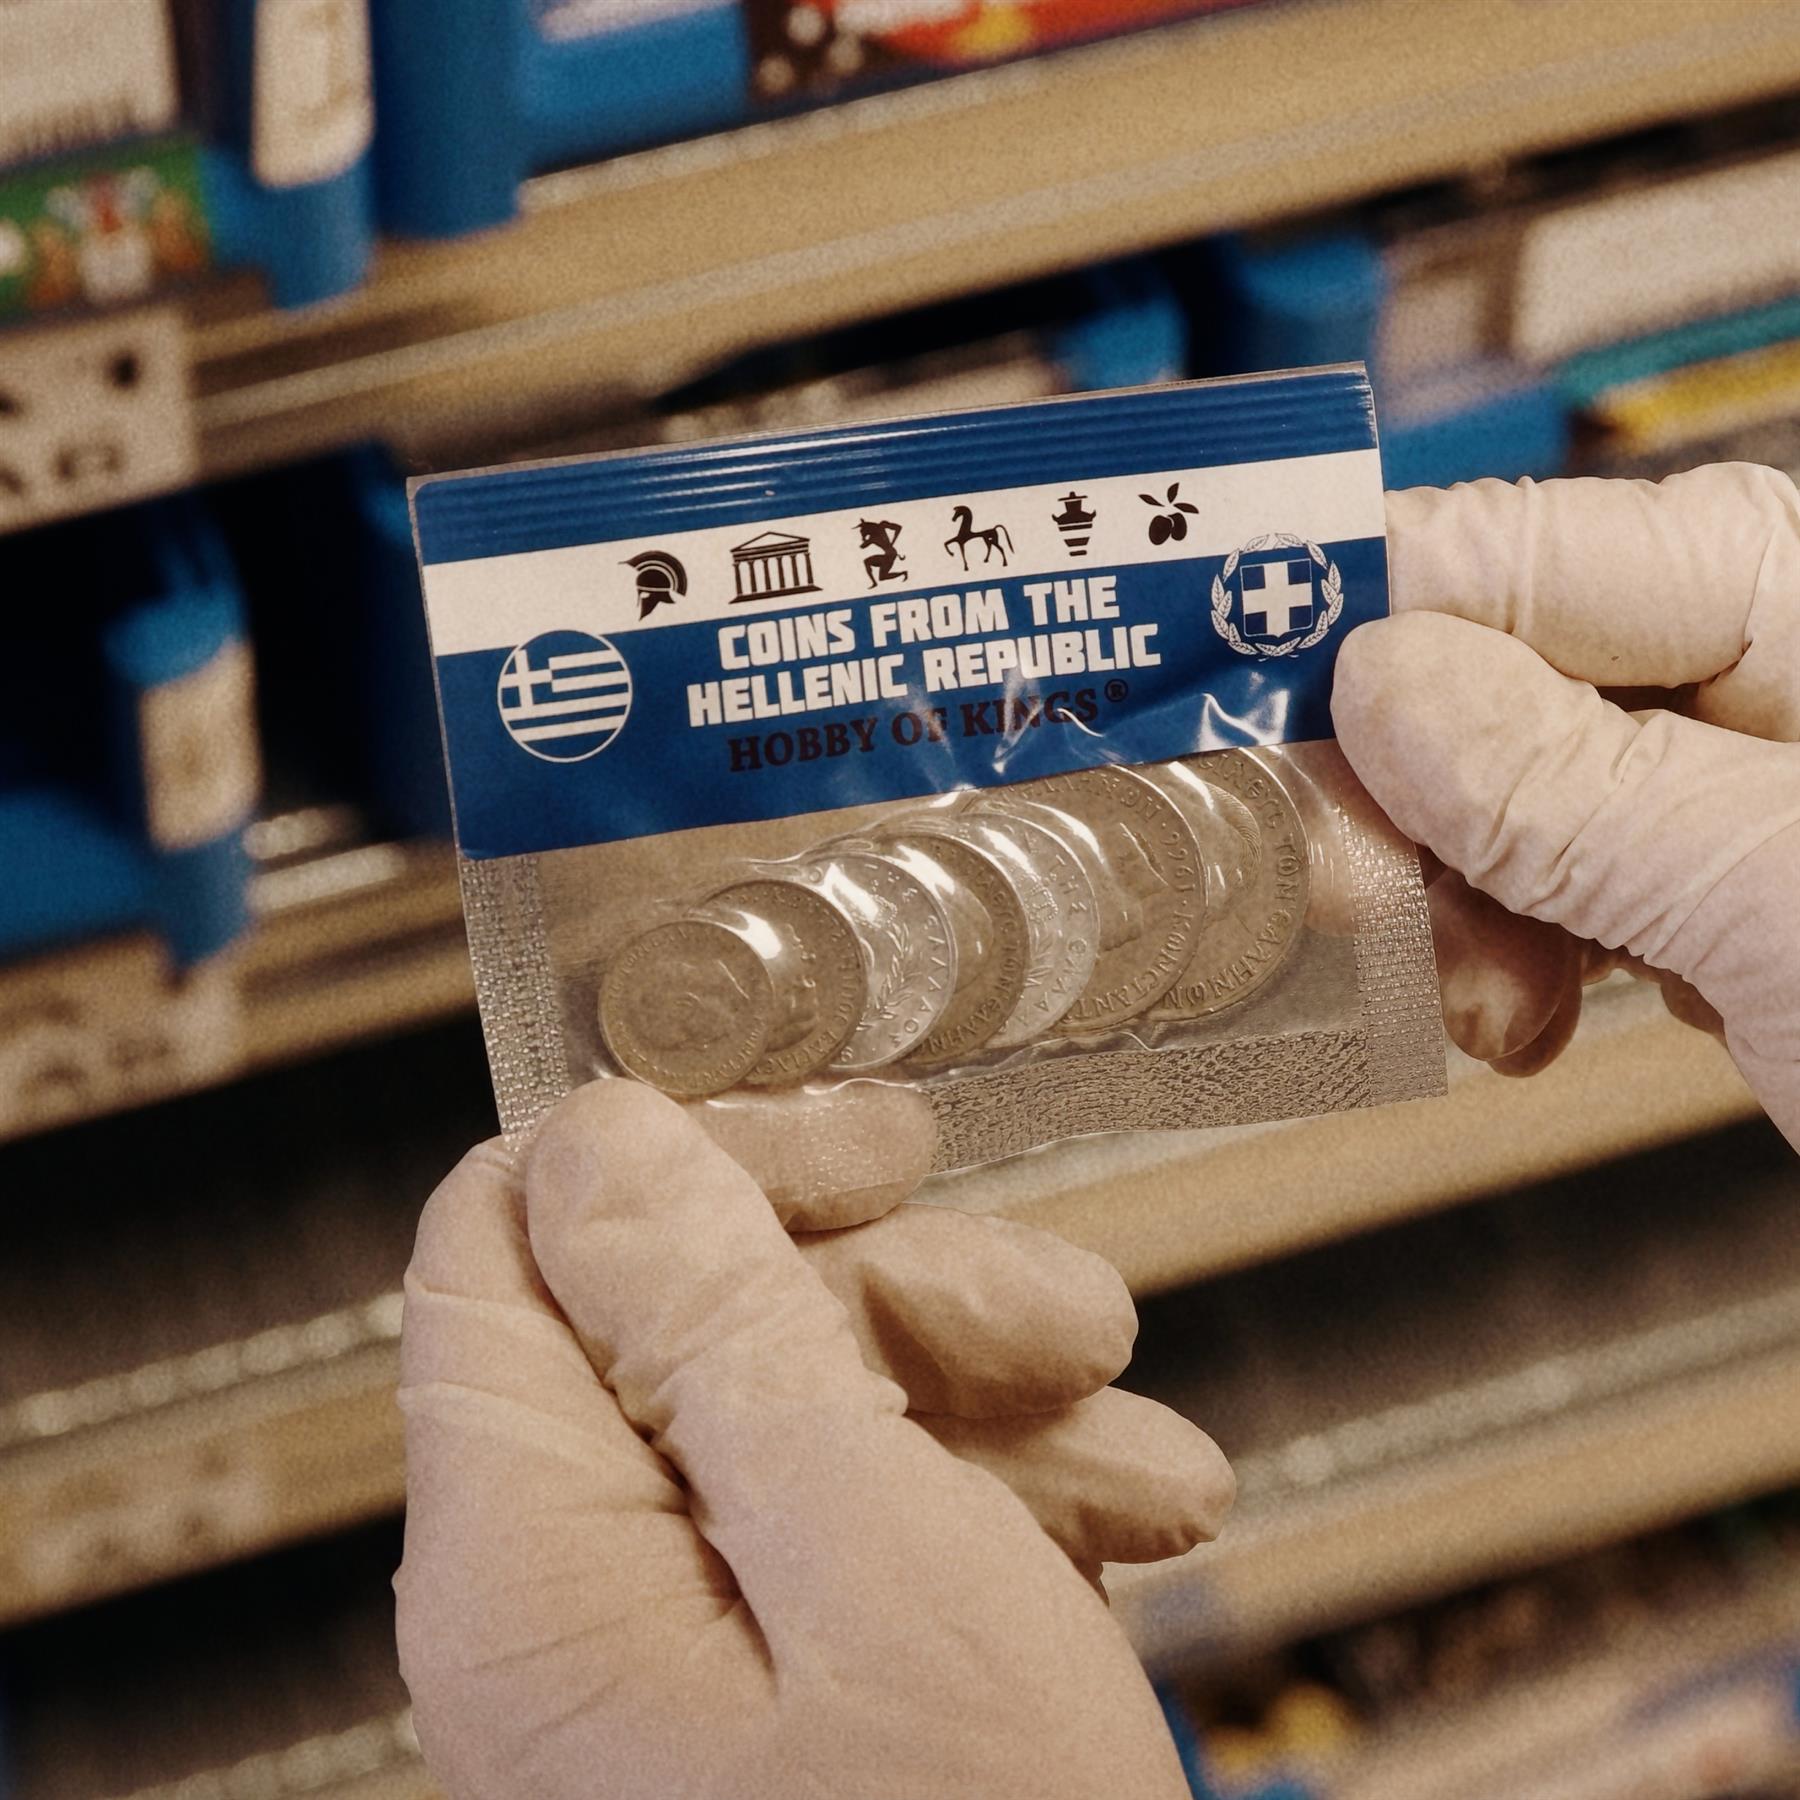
x=672 y=1529
x=1665 y=842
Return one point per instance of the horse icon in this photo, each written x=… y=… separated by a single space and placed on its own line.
x=880 y=536
x=988 y=538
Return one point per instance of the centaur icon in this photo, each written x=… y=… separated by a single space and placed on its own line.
x=988 y=538
x=880 y=536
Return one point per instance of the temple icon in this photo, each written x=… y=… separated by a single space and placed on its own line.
x=771 y=565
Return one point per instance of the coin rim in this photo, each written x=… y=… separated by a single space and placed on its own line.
x=998 y=818
x=928 y=826
x=1171 y=1015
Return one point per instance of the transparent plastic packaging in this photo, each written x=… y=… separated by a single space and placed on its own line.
x=1002 y=901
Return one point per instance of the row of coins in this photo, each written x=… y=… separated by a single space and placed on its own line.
x=1070 y=904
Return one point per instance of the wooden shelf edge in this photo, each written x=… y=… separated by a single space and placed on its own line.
x=107 y=1025
x=200 y=1481
x=375 y=1759
x=1507 y=1503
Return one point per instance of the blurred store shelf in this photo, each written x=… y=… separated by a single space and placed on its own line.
x=1458 y=1398
x=199 y=1363
x=1667 y=1663
x=202 y=1460
x=1166 y=1209
x=265 y=1683
x=647 y=268
x=376 y=1758
x=142 y=1456
x=349 y=943
x=359 y=943
x=1708 y=1705
x=1477 y=1511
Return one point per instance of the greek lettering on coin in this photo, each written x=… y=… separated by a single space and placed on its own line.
x=1153 y=868
x=987 y=921
x=1060 y=916
x=908 y=949
x=1247 y=939
x=816 y=963
x=687 y=1007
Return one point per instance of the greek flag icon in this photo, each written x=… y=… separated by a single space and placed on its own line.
x=564 y=695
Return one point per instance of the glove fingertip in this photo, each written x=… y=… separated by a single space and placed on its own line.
x=827 y=1158
x=614 y=1138
x=1549 y=1043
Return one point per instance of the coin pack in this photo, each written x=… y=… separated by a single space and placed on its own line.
x=986 y=751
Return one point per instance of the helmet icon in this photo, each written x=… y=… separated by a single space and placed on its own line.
x=661 y=580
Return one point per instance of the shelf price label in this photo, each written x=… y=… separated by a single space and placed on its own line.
x=93 y=414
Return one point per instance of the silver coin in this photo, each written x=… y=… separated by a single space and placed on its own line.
x=1153 y=868
x=1112 y=912
x=907 y=946
x=687 y=1007
x=815 y=961
x=1250 y=937
x=1230 y=838
x=1060 y=917
x=987 y=922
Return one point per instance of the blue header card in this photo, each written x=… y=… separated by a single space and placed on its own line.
x=710 y=634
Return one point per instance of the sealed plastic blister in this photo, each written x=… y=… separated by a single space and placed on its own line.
x=983 y=751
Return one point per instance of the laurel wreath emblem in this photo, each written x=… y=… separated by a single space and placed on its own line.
x=1331 y=590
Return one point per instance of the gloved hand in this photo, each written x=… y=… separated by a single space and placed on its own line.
x=699 y=1508
x=1666 y=841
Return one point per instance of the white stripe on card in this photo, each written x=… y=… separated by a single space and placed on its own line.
x=904 y=547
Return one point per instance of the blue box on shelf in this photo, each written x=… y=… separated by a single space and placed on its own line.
x=1287 y=302
x=396 y=699
x=1490 y=419
x=475 y=95
x=1317 y=297
x=126 y=783
x=324 y=549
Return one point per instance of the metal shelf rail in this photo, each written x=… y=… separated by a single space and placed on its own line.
x=1501 y=1477
x=1476 y=1393
x=199 y=1460
x=272 y=1683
